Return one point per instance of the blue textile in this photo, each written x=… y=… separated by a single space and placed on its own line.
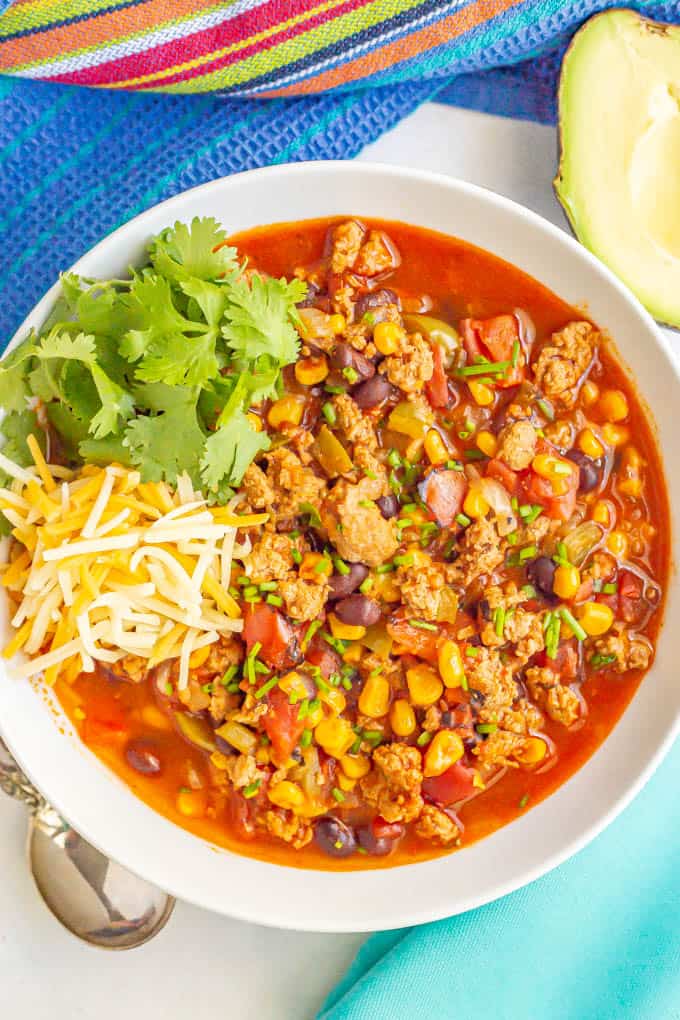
x=597 y=939
x=76 y=163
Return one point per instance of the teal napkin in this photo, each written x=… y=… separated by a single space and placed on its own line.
x=597 y=938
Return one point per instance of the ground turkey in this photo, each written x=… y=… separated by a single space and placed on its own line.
x=271 y=558
x=393 y=785
x=421 y=589
x=292 y=482
x=630 y=653
x=564 y=360
x=411 y=366
x=304 y=600
x=288 y=827
x=517 y=445
x=355 y=525
x=482 y=551
x=436 y=825
x=559 y=701
x=377 y=255
x=347 y=240
x=352 y=423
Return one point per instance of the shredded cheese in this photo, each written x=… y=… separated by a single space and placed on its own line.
x=102 y=565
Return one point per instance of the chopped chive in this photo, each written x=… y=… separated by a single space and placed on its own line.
x=169 y=689
x=527 y=553
x=475 y=455
x=367 y=504
x=552 y=636
x=328 y=411
x=484 y=368
x=336 y=644
x=207 y=688
x=356 y=746
x=512 y=538
x=403 y=561
x=366 y=585
x=523 y=802
x=422 y=625
x=368 y=318
x=262 y=691
x=229 y=675
x=341 y=566
x=274 y=600
x=350 y=373
x=546 y=409
x=249 y=591
x=322 y=566
x=464 y=683
x=296 y=555
x=499 y=620
x=303 y=710
x=571 y=621
x=610 y=589
x=333 y=390
x=529 y=591
x=372 y=736
x=547 y=620
x=268 y=586
x=394 y=483
x=424 y=739
x=463 y=520
x=307 y=508
x=515 y=354
x=393 y=459
x=346 y=683
x=252 y=788
x=385 y=568
x=337 y=795
x=454 y=465
x=243 y=580
x=514 y=503
x=234 y=687
x=485 y=728
x=306 y=738
x=471 y=651
x=293 y=698
x=602 y=660
x=535 y=512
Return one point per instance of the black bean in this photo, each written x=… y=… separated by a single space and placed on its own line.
x=388 y=506
x=334 y=837
x=372 y=392
x=341 y=356
x=366 y=302
x=589 y=470
x=362 y=365
x=541 y=573
x=343 y=585
x=372 y=844
x=142 y=758
x=358 y=611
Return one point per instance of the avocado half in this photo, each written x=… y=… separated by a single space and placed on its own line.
x=619 y=172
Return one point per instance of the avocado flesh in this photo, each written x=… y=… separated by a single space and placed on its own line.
x=619 y=173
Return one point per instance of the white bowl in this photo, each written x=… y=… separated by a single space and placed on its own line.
x=107 y=813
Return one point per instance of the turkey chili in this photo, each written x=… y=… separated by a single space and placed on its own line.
x=459 y=579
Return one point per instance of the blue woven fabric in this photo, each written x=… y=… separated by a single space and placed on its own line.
x=75 y=163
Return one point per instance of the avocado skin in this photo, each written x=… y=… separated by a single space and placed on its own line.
x=623 y=36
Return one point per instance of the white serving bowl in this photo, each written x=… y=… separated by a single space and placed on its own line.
x=104 y=810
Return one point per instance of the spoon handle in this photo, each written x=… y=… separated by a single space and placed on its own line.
x=15 y=783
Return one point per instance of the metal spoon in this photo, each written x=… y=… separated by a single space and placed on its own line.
x=93 y=897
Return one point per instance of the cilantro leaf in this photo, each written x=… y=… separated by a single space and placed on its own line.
x=179 y=360
x=164 y=445
x=197 y=250
x=16 y=428
x=260 y=317
x=98 y=306
x=14 y=372
x=70 y=429
x=105 y=451
x=210 y=298
x=229 y=451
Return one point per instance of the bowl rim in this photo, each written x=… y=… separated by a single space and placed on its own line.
x=408 y=914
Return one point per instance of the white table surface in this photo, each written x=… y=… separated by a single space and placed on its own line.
x=202 y=965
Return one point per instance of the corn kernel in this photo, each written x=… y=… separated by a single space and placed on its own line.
x=435 y=447
x=310 y=371
x=262 y=756
x=335 y=700
x=613 y=405
x=355 y=766
x=314 y=717
x=197 y=658
x=337 y=323
x=354 y=653
x=631 y=487
x=402 y=718
x=79 y=714
x=617 y=543
x=287 y=410
x=631 y=459
x=615 y=435
x=596 y=618
x=533 y=751
x=566 y=582
x=590 y=391
x=444 y=750
x=387 y=337
x=286 y=795
x=374 y=700
x=386 y=588
x=589 y=444
x=192 y=803
x=292 y=683
x=335 y=736
x=450 y=663
x=487 y=443
x=475 y=505
x=152 y=716
x=424 y=685
x=219 y=760
x=345 y=631
x=315 y=566
x=600 y=513
x=480 y=393
x=345 y=783
x=255 y=421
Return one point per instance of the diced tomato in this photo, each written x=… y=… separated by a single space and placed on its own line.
x=319 y=654
x=457 y=783
x=437 y=388
x=540 y=490
x=109 y=729
x=386 y=830
x=609 y=600
x=508 y=478
x=585 y=590
x=282 y=725
x=443 y=492
x=242 y=815
x=276 y=636
x=415 y=640
x=630 y=596
x=495 y=338
x=565 y=662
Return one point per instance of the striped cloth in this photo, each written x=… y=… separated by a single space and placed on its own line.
x=178 y=90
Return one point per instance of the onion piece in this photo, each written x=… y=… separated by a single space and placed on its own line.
x=580 y=542
x=498 y=499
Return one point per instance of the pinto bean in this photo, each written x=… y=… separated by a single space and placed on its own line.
x=372 y=392
x=344 y=356
x=334 y=837
x=343 y=585
x=368 y=301
x=388 y=506
x=358 y=611
x=142 y=758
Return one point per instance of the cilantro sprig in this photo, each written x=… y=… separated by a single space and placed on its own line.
x=158 y=371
